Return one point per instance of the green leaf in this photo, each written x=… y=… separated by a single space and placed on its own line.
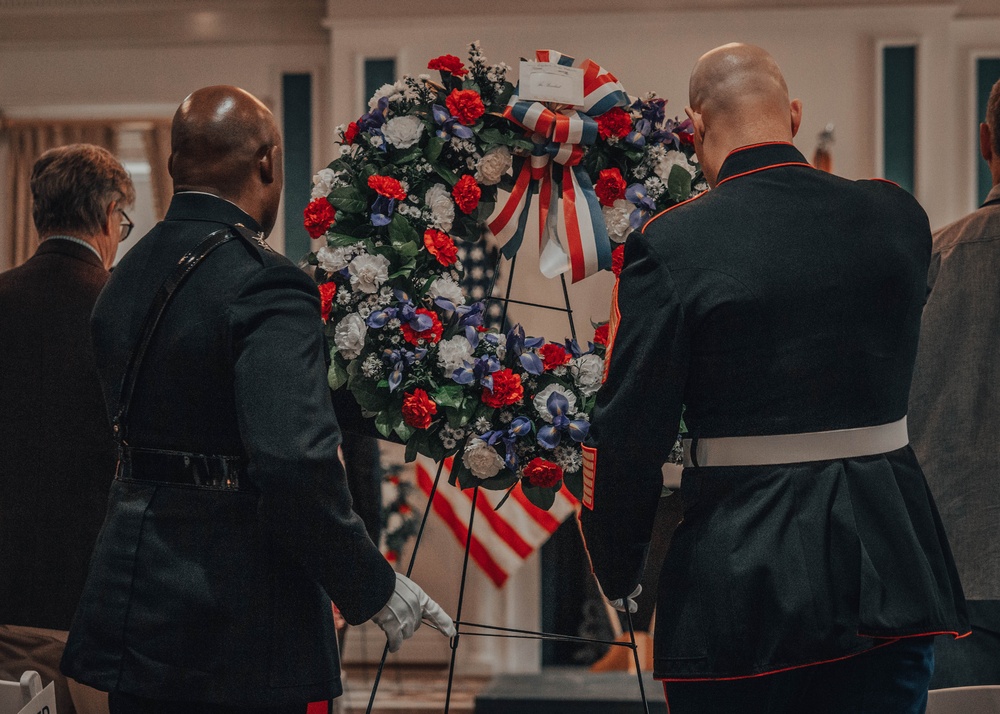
x=408 y=250
x=339 y=240
x=384 y=422
x=400 y=230
x=446 y=174
x=541 y=497
x=450 y=395
x=501 y=482
x=348 y=198
x=336 y=376
x=679 y=183
x=411 y=451
x=404 y=431
x=574 y=482
x=408 y=155
x=433 y=150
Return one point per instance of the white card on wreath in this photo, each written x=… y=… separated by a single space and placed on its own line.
x=550 y=82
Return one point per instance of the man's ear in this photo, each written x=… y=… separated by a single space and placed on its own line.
x=986 y=142
x=267 y=164
x=795 y=109
x=697 y=122
x=109 y=218
x=170 y=165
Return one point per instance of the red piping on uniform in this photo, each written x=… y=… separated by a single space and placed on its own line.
x=776 y=671
x=884 y=180
x=764 y=168
x=763 y=143
x=668 y=210
x=891 y=639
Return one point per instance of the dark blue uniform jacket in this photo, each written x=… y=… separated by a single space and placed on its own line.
x=785 y=300
x=215 y=595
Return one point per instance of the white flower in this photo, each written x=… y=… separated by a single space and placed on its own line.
x=438 y=200
x=568 y=457
x=349 y=336
x=669 y=160
x=368 y=272
x=589 y=372
x=331 y=260
x=491 y=167
x=482 y=459
x=453 y=353
x=447 y=288
x=373 y=369
x=324 y=182
x=482 y=425
x=541 y=400
x=654 y=187
x=393 y=91
x=616 y=219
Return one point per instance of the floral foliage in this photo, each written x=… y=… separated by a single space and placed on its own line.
x=419 y=173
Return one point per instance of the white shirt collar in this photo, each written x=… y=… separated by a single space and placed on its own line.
x=78 y=241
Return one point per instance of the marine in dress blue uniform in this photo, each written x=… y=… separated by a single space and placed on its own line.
x=784 y=301
x=229 y=526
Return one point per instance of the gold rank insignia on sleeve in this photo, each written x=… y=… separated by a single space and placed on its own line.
x=589 y=473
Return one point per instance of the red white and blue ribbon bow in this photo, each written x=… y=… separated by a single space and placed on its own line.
x=572 y=234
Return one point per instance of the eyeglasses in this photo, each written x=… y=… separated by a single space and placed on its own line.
x=127 y=226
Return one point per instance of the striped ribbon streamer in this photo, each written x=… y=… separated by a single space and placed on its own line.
x=572 y=234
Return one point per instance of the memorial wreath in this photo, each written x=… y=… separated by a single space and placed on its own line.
x=424 y=169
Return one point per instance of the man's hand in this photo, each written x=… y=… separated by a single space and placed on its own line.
x=407 y=606
x=619 y=604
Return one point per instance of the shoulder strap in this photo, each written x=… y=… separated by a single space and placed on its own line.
x=191 y=260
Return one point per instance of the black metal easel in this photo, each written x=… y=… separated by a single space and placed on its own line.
x=481 y=630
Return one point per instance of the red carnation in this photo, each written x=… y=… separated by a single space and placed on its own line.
x=686 y=137
x=450 y=64
x=614 y=122
x=553 y=355
x=610 y=186
x=506 y=390
x=430 y=336
x=466 y=194
x=601 y=334
x=418 y=409
x=319 y=216
x=391 y=556
x=326 y=293
x=465 y=105
x=441 y=246
x=351 y=133
x=386 y=186
x=618 y=259
x=543 y=473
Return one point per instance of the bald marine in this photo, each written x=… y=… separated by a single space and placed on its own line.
x=226 y=142
x=738 y=97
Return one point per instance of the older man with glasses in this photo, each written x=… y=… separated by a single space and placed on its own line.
x=58 y=457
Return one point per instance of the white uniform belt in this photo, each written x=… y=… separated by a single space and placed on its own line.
x=797 y=448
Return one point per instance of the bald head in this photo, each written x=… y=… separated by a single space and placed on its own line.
x=739 y=97
x=225 y=141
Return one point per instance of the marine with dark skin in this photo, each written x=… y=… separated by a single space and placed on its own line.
x=226 y=142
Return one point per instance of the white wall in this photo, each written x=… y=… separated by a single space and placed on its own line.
x=92 y=81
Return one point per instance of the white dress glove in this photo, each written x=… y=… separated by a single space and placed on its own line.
x=619 y=604
x=407 y=606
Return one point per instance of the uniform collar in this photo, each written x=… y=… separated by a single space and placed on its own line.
x=72 y=247
x=756 y=157
x=993 y=197
x=198 y=206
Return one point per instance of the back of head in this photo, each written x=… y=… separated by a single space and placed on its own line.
x=739 y=85
x=738 y=97
x=72 y=186
x=218 y=135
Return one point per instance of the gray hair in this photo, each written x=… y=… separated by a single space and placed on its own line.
x=71 y=187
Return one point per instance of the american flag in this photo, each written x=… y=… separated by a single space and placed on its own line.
x=501 y=539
